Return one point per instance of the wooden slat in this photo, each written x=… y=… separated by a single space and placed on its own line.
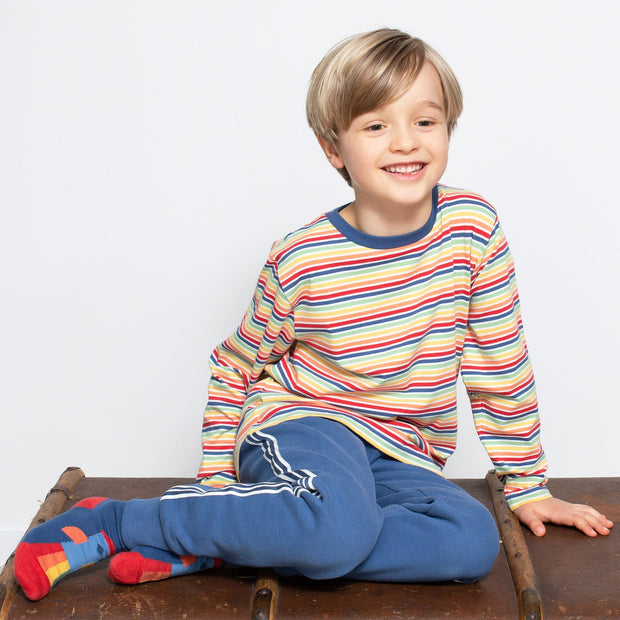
x=264 y=600
x=521 y=567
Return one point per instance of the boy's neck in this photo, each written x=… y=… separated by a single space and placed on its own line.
x=386 y=222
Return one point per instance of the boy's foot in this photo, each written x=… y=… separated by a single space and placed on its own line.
x=87 y=533
x=149 y=564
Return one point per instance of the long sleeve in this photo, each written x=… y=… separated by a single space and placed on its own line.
x=497 y=373
x=264 y=335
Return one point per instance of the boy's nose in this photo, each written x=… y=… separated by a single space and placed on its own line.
x=404 y=139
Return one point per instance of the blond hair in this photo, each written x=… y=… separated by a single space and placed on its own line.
x=365 y=72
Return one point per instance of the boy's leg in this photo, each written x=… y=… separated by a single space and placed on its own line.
x=306 y=505
x=433 y=530
x=309 y=505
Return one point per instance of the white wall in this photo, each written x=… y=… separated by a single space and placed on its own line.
x=151 y=151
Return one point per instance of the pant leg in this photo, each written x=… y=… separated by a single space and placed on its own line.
x=306 y=504
x=432 y=529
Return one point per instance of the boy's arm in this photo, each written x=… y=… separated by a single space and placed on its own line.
x=497 y=373
x=230 y=374
x=265 y=334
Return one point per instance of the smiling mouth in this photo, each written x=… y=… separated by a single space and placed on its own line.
x=404 y=169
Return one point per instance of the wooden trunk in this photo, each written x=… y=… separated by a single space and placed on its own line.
x=563 y=575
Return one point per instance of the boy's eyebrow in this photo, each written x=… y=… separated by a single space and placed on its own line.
x=433 y=104
x=427 y=102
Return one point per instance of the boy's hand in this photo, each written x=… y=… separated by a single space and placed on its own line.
x=553 y=510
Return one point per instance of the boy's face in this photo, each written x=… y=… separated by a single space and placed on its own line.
x=396 y=154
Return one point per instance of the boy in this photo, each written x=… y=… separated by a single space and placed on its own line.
x=332 y=408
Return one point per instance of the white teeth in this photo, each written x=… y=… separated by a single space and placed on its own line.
x=404 y=169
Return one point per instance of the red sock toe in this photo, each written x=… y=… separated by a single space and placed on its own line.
x=29 y=573
x=131 y=568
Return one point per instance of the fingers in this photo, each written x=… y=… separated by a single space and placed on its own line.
x=597 y=524
x=587 y=519
x=537 y=527
x=553 y=510
x=534 y=523
x=586 y=527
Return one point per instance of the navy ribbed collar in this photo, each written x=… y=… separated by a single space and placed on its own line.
x=382 y=243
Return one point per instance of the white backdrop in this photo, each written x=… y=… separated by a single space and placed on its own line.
x=151 y=151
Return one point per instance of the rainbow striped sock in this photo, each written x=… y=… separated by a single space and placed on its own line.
x=87 y=533
x=149 y=564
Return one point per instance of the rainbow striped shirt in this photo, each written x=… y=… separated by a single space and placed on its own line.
x=373 y=332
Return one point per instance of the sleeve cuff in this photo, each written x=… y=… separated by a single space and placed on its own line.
x=520 y=496
x=220 y=479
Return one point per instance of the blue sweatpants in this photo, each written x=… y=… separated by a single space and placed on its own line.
x=316 y=500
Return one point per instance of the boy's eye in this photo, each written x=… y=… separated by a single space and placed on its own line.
x=374 y=127
x=425 y=123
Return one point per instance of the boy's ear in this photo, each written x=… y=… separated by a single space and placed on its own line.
x=331 y=152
